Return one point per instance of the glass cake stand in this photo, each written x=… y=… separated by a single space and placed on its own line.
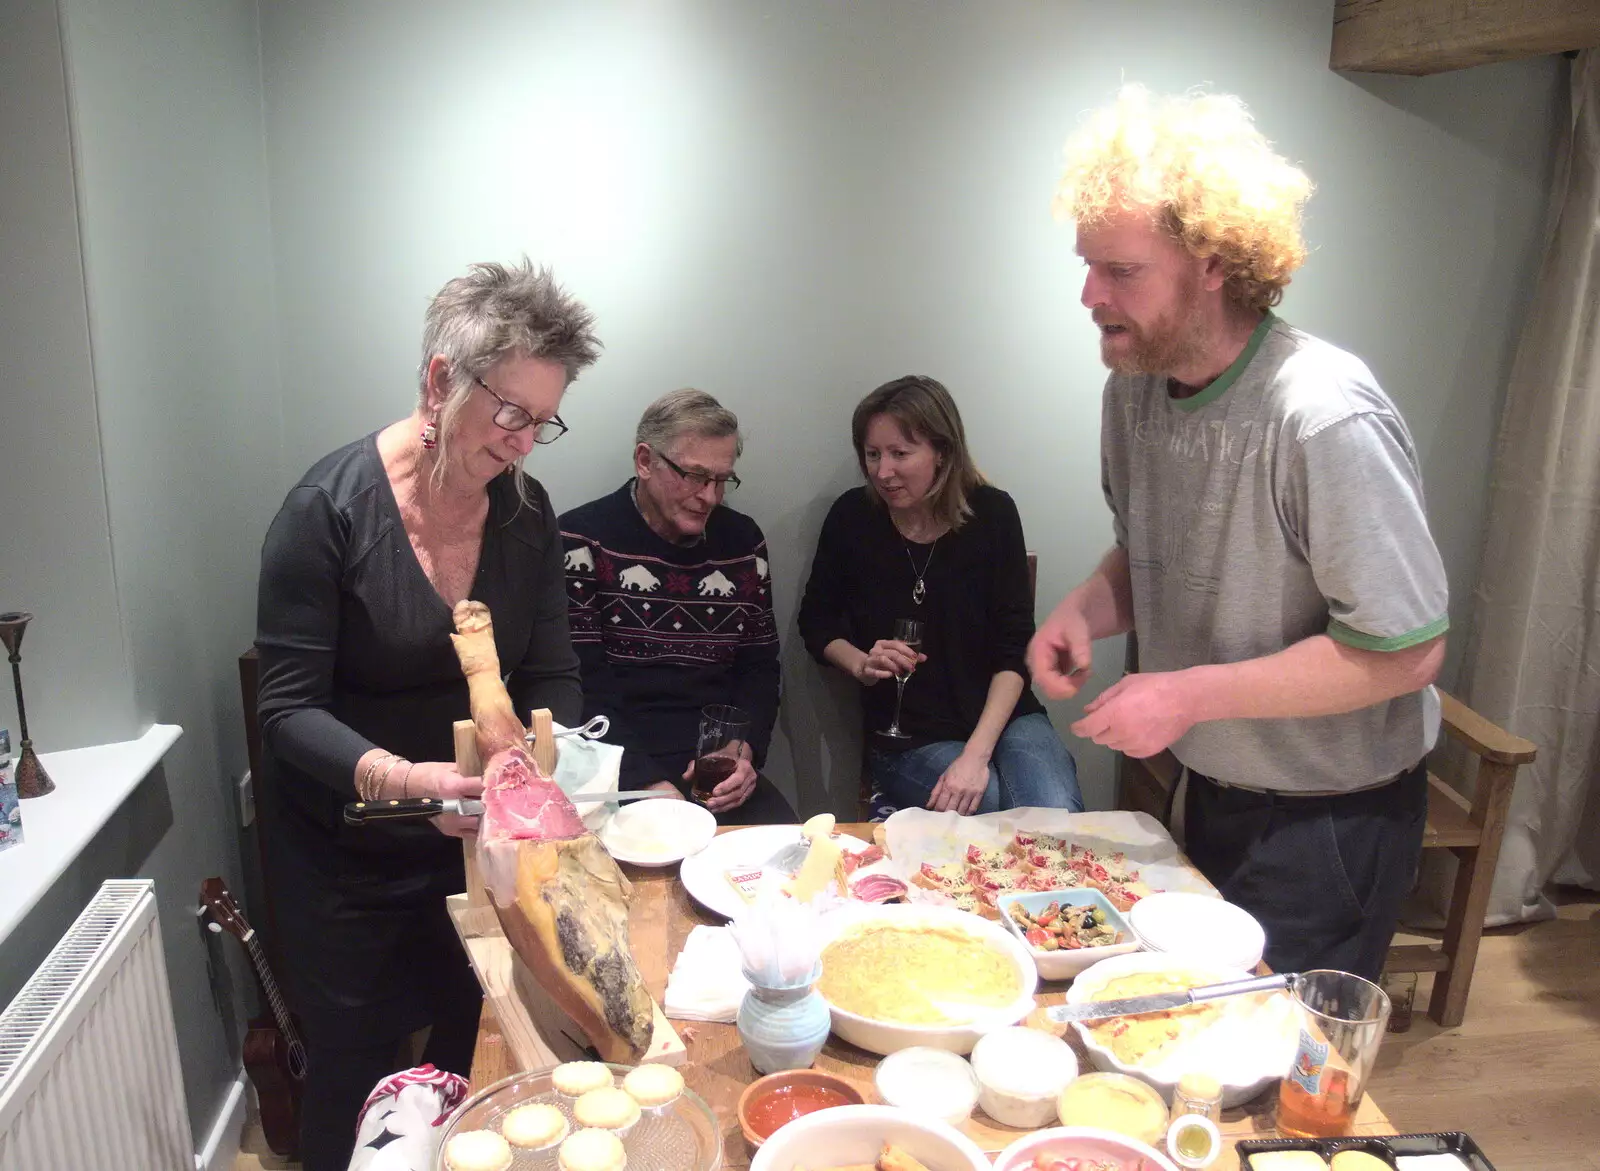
x=681 y=1136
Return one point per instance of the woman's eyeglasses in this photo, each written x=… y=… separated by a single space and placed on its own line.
x=510 y=417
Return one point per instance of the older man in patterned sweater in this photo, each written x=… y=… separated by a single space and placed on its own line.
x=670 y=602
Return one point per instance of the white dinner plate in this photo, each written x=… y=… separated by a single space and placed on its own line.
x=657 y=832
x=705 y=875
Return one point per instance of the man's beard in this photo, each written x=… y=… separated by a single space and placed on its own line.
x=1168 y=344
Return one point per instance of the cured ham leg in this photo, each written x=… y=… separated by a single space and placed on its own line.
x=560 y=897
x=492 y=714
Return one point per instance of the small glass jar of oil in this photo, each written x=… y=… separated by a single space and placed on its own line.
x=1194 y=1142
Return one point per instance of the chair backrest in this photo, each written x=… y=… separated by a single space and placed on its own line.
x=249 y=690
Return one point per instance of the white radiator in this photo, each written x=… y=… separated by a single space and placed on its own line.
x=89 y=1077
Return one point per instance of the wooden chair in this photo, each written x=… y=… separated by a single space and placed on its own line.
x=265 y=915
x=1471 y=830
x=872 y=806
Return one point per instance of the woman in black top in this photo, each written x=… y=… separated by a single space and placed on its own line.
x=360 y=685
x=927 y=538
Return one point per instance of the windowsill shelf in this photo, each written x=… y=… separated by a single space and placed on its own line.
x=91 y=784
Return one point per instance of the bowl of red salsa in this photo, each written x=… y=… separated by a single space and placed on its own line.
x=779 y=1098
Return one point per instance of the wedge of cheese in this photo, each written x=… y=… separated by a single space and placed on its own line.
x=818 y=869
x=818 y=827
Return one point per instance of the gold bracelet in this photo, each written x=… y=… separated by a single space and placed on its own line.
x=371 y=787
x=372 y=775
x=405 y=781
x=365 y=789
x=383 y=781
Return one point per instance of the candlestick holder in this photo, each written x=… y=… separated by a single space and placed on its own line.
x=32 y=780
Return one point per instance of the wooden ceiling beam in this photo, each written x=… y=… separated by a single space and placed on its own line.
x=1419 y=37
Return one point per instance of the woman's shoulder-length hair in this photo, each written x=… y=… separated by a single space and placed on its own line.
x=924 y=409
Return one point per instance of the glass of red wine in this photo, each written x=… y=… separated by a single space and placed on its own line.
x=723 y=733
x=908 y=631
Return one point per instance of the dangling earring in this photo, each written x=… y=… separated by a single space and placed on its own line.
x=430 y=436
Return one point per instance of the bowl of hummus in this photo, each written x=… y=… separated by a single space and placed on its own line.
x=897 y=976
x=1245 y=1042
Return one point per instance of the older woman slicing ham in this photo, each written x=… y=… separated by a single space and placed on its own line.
x=360 y=571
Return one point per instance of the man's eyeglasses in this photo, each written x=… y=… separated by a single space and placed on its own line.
x=511 y=417
x=699 y=480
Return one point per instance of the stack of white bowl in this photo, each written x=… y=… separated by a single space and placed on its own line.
x=1199 y=926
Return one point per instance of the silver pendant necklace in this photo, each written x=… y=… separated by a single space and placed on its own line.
x=920 y=590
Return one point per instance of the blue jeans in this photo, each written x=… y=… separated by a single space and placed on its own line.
x=1030 y=766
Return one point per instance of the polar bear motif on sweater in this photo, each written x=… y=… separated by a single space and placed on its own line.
x=717 y=583
x=637 y=577
x=580 y=560
x=761 y=568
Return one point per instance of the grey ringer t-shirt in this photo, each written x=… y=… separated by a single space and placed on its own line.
x=1282 y=501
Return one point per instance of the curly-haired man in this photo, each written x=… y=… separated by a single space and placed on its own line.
x=1272 y=552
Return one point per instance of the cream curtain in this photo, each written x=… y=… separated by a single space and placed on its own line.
x=1533 y=654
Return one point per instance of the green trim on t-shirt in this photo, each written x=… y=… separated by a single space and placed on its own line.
x=1231 y=375
x=1339 y=632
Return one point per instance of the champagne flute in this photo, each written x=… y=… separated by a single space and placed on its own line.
x=908 y=631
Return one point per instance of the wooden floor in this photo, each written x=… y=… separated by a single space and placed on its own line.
x=1521 y=1074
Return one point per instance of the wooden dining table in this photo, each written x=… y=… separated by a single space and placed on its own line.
x=660 y=918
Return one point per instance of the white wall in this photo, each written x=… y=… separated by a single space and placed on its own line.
x=166 y=135
x=55 y=542
x=786 y=204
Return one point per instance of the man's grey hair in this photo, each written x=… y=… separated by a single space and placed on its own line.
x=497 y=310
x=687 y=412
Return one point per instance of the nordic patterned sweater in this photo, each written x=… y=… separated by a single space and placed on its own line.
x=662 y=630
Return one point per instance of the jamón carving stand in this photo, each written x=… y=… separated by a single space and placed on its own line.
x=32 y=780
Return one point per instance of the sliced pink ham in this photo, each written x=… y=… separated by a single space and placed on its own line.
x=877 y=887
x=854 y=860
x=521 y=805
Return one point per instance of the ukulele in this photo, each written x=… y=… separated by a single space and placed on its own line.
x=274 y=1055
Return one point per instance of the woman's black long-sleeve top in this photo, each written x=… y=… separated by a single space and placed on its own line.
x=356 y=654
x=977 y=611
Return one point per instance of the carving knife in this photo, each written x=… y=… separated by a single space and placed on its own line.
x=413 y=808
x=1097 y=1010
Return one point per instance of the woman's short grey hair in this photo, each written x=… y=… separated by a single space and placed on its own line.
x=497 y=310
x=686 y=412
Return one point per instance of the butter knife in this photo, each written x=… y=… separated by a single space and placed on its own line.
x=1097 y=1010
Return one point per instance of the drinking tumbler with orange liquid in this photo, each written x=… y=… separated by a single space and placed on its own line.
x=1342 y=1019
